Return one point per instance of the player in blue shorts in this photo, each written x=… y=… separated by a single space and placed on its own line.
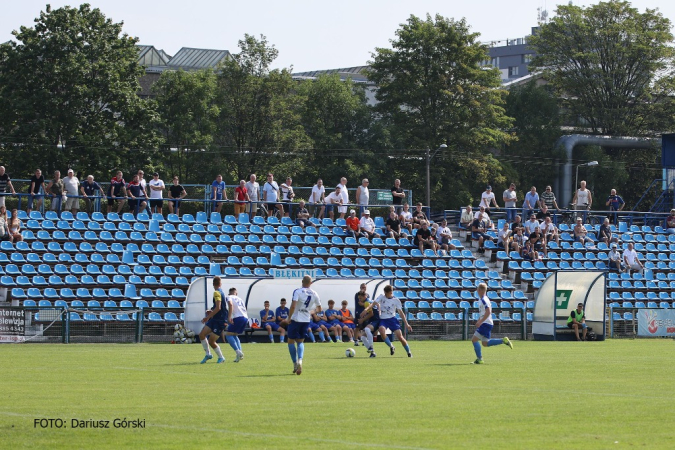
x=214 y=324
x=237 y=321
x=389 y=306
x=484 y=325
x=333 y=319
x=282 y=314
x=319 y=319
x=303 y=302
x=269 y=322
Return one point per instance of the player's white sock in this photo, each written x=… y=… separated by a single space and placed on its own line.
x=218 y=352
x=205 y=344
x=369 y=334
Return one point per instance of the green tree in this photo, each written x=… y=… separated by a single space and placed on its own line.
x=434 y=90
x=68 y=94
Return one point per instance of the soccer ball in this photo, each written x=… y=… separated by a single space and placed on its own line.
x=191 y=334
x=177 y=327
x=183 y=341
x=350 y=353
x=176 y=334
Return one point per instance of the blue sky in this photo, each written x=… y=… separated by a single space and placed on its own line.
x=309 y=34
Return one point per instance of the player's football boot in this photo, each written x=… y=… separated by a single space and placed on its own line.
x=372 y=355
x=508 y=342
x=220 y=360
x=299 y=369
x=478 y=361
x=392 y=350
x=206 y=358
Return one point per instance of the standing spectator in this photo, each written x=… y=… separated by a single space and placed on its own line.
x=281 y=314
x=56 y=191
x=367 y=226
x=466 y=218
x=548 y=198
x=397 y=195
x=316 y=199
x=531 y=202
x=605 y=233
x=71 y=186
x=269 y=322
x=423 y=238
x=580 y=232
x=141 y=181
x=117 y=192
x=615 y=259
x=631 y=260
x=253 y=190
x=353 y=224
x=137 y=197
x=156 y=188
x=363 y=195
x=615 y=203
x=583 y=200
x=302 y=216
x=218 y=193
x=393 y=225
x=406 y=218
x=270 y=195
x=670 y=222
x=345 y=197
x=14 y=227
x=444 y=236
x=88 y=190
x=241 y=196
x=176 y=194
x=37 y=182
x=333 y=199
x=509 y=196
x=488 y=197
x=287 y=195
x=4 y=182
x=419 y=216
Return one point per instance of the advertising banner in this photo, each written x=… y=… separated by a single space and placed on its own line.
x=656 y=322
x=12 y=325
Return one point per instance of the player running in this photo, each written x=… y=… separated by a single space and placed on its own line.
x=237 y=321
x=303 y=302
x=484 y=325
x=214 y=324
x=389 y=306
x=369 y=322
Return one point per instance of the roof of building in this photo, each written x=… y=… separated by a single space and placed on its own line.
x=197 y=58
x=355 y=73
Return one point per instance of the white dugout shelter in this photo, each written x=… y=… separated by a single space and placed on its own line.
x=559 y=295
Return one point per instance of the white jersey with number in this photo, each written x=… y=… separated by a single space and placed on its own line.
x=307 y=299
x=238 y=307
x=388 y=306
x=483 y=304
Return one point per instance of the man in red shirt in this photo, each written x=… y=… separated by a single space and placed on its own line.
x=240 y=196
x=352 y=224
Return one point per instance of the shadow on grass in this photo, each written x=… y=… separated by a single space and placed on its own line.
x=268 y=375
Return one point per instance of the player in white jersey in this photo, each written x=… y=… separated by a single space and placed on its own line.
x=484 y=325
x=303 y=303
x=237 y=321
x=389 y=306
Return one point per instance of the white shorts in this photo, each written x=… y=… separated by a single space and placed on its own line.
x=72 y=203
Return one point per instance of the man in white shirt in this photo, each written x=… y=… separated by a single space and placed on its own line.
x=615 y=259
x=287 y=195
x=388 y=306
x=550 y=231
x=367 y=226
x=444 y=236
x=345 y=197
x=271 y=195
x=509 y=196
x=631 y=260
x=363 y=195
x=531 y=224
x=316 y=199
x=72 y=186
x=488 y=197
x=156 y=187
x=333 y=199
x=304 y=301
x=141 y=180
x=237 y=321
x=253 y=189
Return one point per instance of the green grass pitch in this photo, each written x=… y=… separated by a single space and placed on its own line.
x=614 y=394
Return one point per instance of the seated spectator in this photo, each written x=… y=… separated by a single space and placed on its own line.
x=423 y=239
x=4 y=232
x=531 y=224
x=333 y=319
x=517 y=223
x=481 y=210
x=393 y=225
x=418 y=216
x=319 y=324
x=466 y=218
x=302 y=216
x=543 y=213
x=444 y=236
x=631 y=260
x=367 y=226
x=14 y=227
x=670 y=222
x=519 y=240
x=605 y=234
x=504 y=237
x=478 y=232
x=550 y=231
x=406 y=218
x=268 y=322
x=615 y=259
x=577 y=320
x=528 y=252
x=536 y=239
x=347 y=320
x=580 y=232
x=353 y=224
x=332 y=200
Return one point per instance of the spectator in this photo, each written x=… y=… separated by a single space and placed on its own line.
x=316 y=199
x=4 y=230
x=176 y=194
x=88 y=190
x=418 y=216
x=302 y=216
x=319 y=318
x=580 y=232
x=281 y=314
x=481 y=210
x=37 y=182
x=353 y=224
x=670 y=222
x=488 y=197
x=218 y=193
x=531 y=202
x=333 y=199
x=466 y=218
x=548 y=198
x=509 y=196
x=444 y=236
x=141 y=182
x=615 y=259
x=631 y=260
x=517 y=223
x=605 y=234
x=504 y=237
x=519 y=240
x=4 y=182
x=577 y=320
x=253 y=190
x=543 y=213
x=406 y=218
x=241 y=196
x=333 y=319
x=344 y=193
x=550 y=232
x=536 y=239
x=156 y=188
x=363 y=195
x=478 y=232
x=137 y=198
x=367 y=226
x=347 y=320
x=423 y=239
x=117 y=192
x=529 y=252
x=397 y=195
x=287 y=195
x=531 y=224
x=14 y=227
x=583 y=200
x=268 y=322
x=393 y=224
x=615 y=203
x=56 y=191
x=71 y=186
